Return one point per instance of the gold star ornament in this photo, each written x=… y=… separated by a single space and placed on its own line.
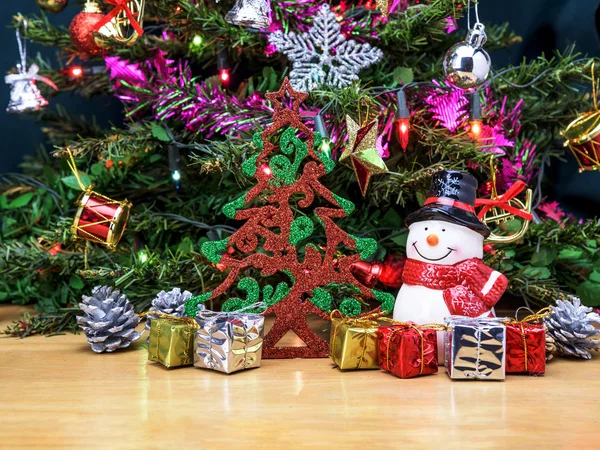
x=361 y=152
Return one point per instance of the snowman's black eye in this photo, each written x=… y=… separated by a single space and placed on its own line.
x=443 y=229
x=426 y=228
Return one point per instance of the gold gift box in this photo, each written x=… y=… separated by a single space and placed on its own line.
x=353 y=343
x=171 y=342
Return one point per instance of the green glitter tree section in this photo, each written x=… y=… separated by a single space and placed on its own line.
x=287 y=178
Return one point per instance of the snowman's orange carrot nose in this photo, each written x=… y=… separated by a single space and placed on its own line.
x=433 y=240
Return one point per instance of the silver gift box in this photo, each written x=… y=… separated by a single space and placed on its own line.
x=229 y=342
x=475 y=348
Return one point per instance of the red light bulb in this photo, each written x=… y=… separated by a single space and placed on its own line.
x=76 y=71
x=266 y=169
x=402 y=131
x=488 y=248
x=224 y=74
x=475 y=129
x=55 y=250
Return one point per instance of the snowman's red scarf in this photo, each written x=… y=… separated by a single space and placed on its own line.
x=470 y=287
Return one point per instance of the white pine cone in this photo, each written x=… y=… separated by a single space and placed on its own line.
x=571 y=325
x=172 y=303
x=109 y=321
x=550 y=346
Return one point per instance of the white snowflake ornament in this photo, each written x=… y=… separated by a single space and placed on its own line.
x=323 y=56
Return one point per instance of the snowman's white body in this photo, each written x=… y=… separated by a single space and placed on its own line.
x=434 y=242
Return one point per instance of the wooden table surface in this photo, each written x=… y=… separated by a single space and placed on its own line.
x=56 y=393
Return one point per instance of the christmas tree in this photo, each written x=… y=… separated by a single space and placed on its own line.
x=287 y=183
x=193 y=77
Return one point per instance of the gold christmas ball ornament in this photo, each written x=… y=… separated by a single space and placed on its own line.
x=53 y=6
x=582 y=136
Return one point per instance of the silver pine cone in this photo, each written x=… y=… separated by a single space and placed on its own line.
x=550 y=346
x=110 y=320
x=172 y=303
x=572 y=326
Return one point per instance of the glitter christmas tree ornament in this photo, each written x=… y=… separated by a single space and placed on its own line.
x=276 y=240
x=323 y=56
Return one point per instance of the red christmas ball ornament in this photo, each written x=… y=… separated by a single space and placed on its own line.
x=82 y=29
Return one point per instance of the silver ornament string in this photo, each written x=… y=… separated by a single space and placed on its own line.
x=24 y=94
x=22 y=47
x=469 y=15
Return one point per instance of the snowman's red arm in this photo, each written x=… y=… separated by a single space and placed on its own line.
x=483 y=281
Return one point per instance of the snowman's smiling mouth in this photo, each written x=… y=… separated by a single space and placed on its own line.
x=450 y=250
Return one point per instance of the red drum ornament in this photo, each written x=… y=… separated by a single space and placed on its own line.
x=582 y=136
x=100 y=219
x=583 y=139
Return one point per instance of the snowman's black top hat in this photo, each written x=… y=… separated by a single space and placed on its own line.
x=451 y=199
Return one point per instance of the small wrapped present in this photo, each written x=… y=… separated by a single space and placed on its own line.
x=171 y=341
x=525 y=348
x=475 y=348
x=526 y=344
x=407 y=350
x=229 y=341
x=353 y=341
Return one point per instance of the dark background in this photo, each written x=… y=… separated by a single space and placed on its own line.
x=545 y=25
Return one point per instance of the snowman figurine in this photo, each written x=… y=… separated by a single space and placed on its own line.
x=444 y=273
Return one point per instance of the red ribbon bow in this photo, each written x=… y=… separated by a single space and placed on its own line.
x=120 y=5
x=502 y=202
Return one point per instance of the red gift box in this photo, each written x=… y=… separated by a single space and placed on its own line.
x=407 y=351
x=525 y=348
